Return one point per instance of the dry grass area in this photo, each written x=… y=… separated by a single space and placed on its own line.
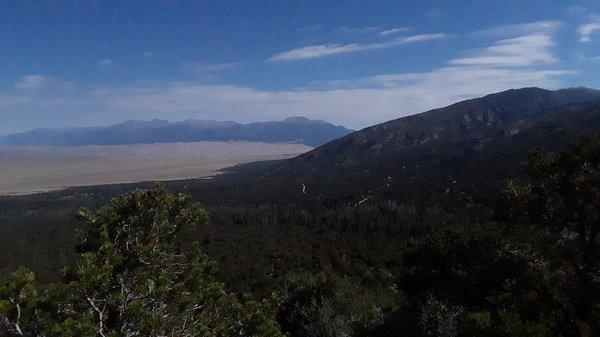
x=37 y=169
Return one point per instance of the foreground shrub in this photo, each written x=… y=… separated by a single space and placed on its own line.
x=139 y=274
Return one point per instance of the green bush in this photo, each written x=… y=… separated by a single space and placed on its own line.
x=137 y=275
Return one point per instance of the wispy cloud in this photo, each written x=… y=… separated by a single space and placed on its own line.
x=354 y=31
x=104 y=63
x=506 y=63
x=587 y=30
x=322 y=50
x=207 y=67
x=33 y=82
x=516 y=61
x=37 y=84
x=519 y=45
x=454 y=76
x=356 y=103
x=394 y=31
x=519 y=51
x=528 y=28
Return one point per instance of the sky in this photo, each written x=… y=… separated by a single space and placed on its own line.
x=354 y=63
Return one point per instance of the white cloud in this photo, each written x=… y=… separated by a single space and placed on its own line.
x=529 y=28
x=104 y=63
x=371 y=100
x=42 y=85
x=204 y=67
x=587 y=30
x=33 y=82
x=515 y=52
x=315 y=51
x=322 y=50
x=456 y=76
x=394 y=31
x=506 y=63
x=354 y=31
x=356 y=103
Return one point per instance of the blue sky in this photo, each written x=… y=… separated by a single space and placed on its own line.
x=355 y=63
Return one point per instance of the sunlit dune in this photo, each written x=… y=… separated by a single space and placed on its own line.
x=36 y=169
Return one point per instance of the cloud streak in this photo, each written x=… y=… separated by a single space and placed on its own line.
x=394 y=31
x=355 y=104
x=33 y=82
x=528 y=28
x=513 y=61
x=205 y=67
x=105 y=63
x=322 y=50
x=587 y=30
x=515 y=52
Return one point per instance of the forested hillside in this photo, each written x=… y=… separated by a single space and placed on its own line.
x=475 y=125
x=486 y=226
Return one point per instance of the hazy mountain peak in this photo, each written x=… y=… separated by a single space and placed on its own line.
x=293 y=129
x=136 y=123
x=296 y=119
x=302 y=120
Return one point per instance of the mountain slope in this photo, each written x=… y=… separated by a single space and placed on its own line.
x=293 y=129
x=470 y=125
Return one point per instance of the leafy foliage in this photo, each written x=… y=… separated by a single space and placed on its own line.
x=137 y=277
x=23 y=305
x=561 y=202
x=327 y=305
x=469 y=282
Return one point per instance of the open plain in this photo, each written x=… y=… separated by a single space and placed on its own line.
x=25 y=170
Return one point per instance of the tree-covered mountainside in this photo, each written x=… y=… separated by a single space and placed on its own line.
x=486 y=230
x=461 y=151
x=530 y=270
x=472 y=125
x=293 y=129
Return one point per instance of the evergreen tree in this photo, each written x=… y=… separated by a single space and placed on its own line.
x=561 y=201
x=138 y=275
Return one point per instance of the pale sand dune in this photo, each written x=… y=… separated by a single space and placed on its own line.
x=36 y=169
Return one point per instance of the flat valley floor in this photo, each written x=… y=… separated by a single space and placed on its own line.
x=25 y=170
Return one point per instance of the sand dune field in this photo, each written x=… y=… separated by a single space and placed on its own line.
x=37 y=169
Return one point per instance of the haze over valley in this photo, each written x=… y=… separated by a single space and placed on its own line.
x=47 y=159
x=296 y=129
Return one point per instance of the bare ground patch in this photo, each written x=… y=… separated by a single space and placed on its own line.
x=26 y=170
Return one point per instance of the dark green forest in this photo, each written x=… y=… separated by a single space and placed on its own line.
x=257 y=258
x=477 y=219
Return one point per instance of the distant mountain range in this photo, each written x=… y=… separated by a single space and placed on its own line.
x=462 y=144
x=293 y=129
